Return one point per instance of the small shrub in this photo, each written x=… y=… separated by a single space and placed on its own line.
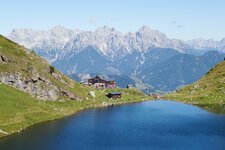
x=33 y=52
x=52 y=69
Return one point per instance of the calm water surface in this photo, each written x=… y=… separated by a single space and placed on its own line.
x=153 y=125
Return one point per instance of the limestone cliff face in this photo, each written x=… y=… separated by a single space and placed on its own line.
x=39 y=87
x=24 y=70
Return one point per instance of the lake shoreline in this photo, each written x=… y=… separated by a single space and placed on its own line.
x=157 y=124
x=74 y=113
x=217 y=108
x=109 y=104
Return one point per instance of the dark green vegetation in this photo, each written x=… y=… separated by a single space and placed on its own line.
x=208 y=92
x=26 y=78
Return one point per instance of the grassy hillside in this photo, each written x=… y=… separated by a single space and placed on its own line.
x=19 y=110
x=22 y=63
x=25 y=78
x=208 y=92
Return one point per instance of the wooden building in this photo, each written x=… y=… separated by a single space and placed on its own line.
x=114 y=95
x=129 y=86
x=102 y=82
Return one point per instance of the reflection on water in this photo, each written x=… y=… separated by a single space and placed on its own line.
x=215 y=108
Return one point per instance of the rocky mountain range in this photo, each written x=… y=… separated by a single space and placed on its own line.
x=57 y=42
x=143 y=56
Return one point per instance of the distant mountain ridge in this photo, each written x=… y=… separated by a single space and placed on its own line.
x=55 y=43
x=180 y=70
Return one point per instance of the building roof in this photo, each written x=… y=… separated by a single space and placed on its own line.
x=115 y=93
x=103 y=78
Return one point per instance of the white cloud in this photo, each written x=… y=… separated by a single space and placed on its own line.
x=93 y=20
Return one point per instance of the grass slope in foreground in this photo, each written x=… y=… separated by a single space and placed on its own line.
x=208 y=92
x=19 y=110
x=22 y=108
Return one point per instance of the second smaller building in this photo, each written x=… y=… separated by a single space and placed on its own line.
x=114 y=95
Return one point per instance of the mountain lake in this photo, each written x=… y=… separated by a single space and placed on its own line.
x=156 y=125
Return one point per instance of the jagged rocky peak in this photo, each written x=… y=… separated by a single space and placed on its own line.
x=105 y=29
x=202 y=44
x=60 y=31
x=145 y=29
x=222 y=41
x=20 y=31
x=59 y=28
x=148 y=38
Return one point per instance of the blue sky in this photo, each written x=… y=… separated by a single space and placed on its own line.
x=183 y=19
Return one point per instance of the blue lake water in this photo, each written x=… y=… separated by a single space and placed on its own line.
x=156 y=125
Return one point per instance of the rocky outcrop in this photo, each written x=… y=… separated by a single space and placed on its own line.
x=92 y=94
x=30 y=81
x=4 y=59
x=104 y=104
x=3 y=132
x=69 y=94
x=36 y=85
